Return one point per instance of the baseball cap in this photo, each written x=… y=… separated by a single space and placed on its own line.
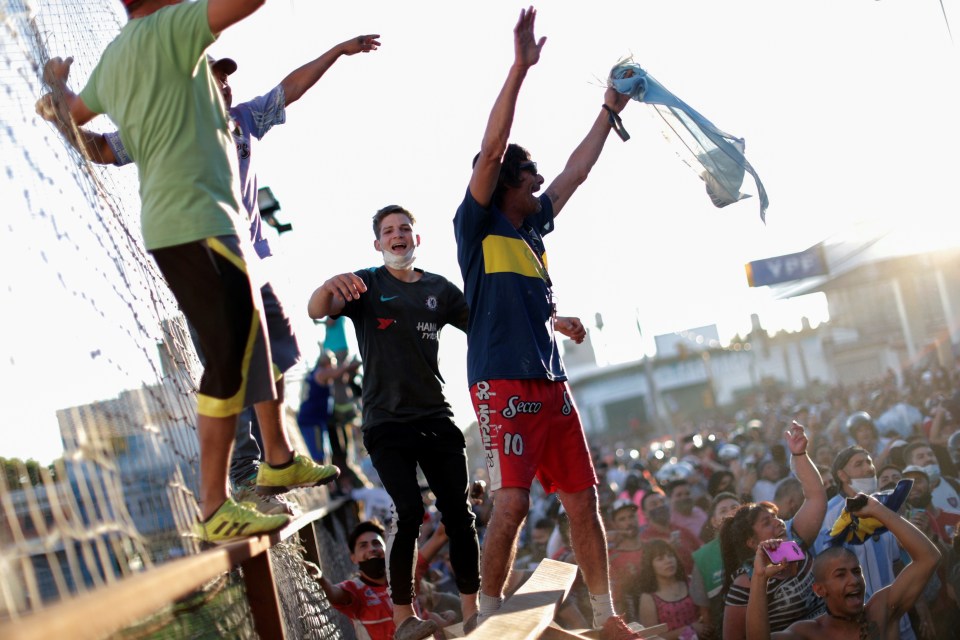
x=914 y=469
x=622 y=503
x=227 y=65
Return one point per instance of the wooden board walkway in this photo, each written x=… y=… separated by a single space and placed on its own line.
x=528 y=614
x=529 y=611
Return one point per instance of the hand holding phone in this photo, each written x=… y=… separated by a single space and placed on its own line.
x=786 y=551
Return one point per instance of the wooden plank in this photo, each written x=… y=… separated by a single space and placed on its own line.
x=311 y=543
x=650 y=633
x=263 y=597
x=529 y=611
x=556 y=632
x=98 y=613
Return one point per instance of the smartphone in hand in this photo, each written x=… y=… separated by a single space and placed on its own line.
x=788 y=551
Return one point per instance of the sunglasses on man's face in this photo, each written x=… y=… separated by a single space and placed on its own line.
x=529 y=166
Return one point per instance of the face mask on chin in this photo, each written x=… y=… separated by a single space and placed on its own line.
x=933 y=472
x=864 y=485
x=374 y=567
x=402 y=262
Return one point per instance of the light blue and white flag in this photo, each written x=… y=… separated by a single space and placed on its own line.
x=717 y=157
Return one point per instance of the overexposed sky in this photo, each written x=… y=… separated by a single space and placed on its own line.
x=848 y=109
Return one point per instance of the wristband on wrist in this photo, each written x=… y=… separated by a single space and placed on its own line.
x=616 y=123
x=802 y=453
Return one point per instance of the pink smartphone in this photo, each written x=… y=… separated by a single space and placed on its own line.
x=788 y=551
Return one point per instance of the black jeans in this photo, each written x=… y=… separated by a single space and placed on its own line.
x=437 y=445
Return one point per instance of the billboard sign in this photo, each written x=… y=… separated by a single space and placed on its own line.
x=795 y=266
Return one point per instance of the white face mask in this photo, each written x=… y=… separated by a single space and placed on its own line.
x=864 y=485
x=401 y=262
x=933 y=472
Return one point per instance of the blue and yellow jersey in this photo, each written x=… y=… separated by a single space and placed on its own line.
x=507 y=285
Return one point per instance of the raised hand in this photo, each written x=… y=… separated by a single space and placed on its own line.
x=871 y=509
x=761 y=562
x=56 y=71
x=615 y=100
x=796 y=439
x=526 y=47
x=361 y=44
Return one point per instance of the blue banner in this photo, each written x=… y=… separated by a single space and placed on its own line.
x=795 y=266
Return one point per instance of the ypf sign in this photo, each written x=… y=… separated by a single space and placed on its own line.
x=795 y=266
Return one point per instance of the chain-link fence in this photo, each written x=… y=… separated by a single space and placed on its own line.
x=98 y=369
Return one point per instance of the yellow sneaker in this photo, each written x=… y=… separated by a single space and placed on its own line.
x=234 y=520
x=303 y=472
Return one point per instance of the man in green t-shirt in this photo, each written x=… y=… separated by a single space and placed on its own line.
x=154 y=82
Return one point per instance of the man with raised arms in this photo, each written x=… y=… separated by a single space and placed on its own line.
x=838 y=579
x=528 y=422
x=248 y=121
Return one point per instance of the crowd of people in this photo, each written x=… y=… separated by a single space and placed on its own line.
x=685 y=517
x=727 y=532
x=689 y=521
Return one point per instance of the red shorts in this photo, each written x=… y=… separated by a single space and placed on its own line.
x=532 y=428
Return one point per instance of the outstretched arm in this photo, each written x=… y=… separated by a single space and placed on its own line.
x=335 y=594
x=810 y=516
x=526 y=49
x=329 y=374
x=63 y=105
x=909 y=583
x=429 y=550
x=300 y=80
x=224 y=13
x=332 y=296
x=587 y=153
x=92 y=145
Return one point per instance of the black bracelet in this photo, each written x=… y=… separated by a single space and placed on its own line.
x=616 y=123
x=797 y=455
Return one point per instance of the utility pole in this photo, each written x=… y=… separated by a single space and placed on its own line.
x=662 y=420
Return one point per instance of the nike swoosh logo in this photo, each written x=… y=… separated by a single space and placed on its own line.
x=386 y=299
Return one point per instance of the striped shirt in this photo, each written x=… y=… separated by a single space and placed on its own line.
x=788 y=600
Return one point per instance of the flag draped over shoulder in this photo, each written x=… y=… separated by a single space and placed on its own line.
x=716 y=156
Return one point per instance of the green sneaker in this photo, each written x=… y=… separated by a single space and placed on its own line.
x=234 y=520
x=303 y=472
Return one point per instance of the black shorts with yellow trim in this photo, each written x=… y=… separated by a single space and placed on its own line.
x=210 y=281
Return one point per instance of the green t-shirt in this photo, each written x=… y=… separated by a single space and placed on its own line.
x=709 y=562
x=154 y=82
